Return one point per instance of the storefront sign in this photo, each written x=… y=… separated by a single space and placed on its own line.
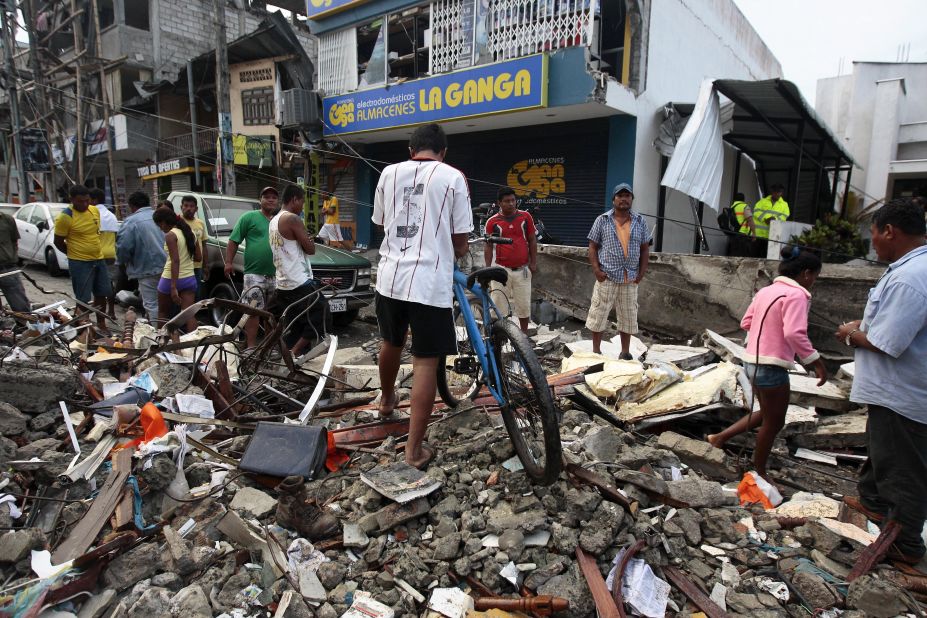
x=253 y=150
x=489 y=89
x=544 y=177
x=319 y=9
x=163 y=167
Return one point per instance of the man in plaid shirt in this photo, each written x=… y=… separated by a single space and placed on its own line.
x=619 y=249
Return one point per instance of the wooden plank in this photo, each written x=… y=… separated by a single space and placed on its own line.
x=125 y=507
x=85 y=532
x=604 y=604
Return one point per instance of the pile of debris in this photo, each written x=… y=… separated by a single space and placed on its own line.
x=152 y=475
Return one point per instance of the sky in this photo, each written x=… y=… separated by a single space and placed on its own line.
x=810 y=37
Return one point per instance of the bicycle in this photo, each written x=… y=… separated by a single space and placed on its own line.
x=493 y=351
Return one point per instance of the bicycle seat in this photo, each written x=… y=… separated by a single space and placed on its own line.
x=485 y=275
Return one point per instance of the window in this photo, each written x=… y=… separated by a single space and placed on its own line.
x=127 y=78
x=371 y=50
x=257 y=106
x=107 y=13
x=38 y=216
x=407 y=53
x=23 y=213
x=137 y=13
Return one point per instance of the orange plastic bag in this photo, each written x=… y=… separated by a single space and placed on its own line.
x=336 y=457
x=750 y=492
x=152 y=424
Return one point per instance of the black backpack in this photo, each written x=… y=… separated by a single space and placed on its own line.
x=727 y=221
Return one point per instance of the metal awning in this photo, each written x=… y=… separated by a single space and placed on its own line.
x=771 y=123
x=790 y=144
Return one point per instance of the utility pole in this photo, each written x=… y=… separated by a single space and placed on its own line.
x=8 y=26
x=28 y=10
x=106 y=115
x=223 y=102
x=79 y=142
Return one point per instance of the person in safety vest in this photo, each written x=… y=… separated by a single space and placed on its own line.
x=742 y=243
x=772 y=207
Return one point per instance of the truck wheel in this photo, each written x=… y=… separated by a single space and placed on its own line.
x=223 y=290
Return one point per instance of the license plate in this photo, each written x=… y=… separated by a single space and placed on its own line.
x=338 y=304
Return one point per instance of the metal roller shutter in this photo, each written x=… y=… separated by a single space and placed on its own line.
x=250 y=186
x=565 y=164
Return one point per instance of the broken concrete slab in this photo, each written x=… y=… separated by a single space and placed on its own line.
x=35 y=388
x=12 y=421
x=253 y=501
x=806 y=392
x=683 y=356
x=16 y=544
x=803 y=504
x=698 y=454
x=716 y=384
x=847 y=430
x=876 y=597
x=610 y=349
x=699 y=493
x=133 y=566
x=722 y=346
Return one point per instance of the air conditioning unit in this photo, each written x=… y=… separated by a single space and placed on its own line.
x=300 y=108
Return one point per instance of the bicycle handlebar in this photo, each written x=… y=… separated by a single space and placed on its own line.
x=493 y=240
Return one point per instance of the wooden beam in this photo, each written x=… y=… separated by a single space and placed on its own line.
x=84 y=534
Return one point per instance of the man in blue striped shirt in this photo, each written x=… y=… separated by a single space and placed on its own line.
x=619 y=249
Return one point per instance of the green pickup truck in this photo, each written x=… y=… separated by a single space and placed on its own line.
x=347 y=273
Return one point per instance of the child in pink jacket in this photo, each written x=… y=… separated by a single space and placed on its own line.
x=777 y=325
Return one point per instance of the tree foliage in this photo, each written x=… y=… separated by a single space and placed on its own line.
x=837 y=240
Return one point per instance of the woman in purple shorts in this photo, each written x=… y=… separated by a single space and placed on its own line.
x=178 y=283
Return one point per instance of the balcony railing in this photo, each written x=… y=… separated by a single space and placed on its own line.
x=182 y=145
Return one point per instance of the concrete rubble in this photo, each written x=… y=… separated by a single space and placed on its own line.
x=144 y=502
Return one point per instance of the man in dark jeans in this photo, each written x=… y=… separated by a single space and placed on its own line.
x=891 y=365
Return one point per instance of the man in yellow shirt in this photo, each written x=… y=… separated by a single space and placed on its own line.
x=188 y=209
x=77 y=234
x=109 y=225
x=331 y=230
x=770 y=208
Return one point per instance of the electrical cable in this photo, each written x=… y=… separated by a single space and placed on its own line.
x=370 y=161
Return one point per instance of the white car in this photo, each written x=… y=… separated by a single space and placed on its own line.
x=36 y=224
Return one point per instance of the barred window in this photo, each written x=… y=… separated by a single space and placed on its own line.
x=257 y=106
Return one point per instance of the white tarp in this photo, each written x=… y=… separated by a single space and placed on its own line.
x=697 y=163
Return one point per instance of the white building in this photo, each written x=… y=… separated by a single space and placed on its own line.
x=601 y=73
x=879 y=111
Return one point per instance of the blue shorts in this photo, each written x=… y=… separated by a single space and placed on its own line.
x=766 y=376
x=89 y=279
x=183 y=284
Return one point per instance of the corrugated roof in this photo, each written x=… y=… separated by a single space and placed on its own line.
x=772 y=120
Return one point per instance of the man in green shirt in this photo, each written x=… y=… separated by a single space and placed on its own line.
x=252 y=228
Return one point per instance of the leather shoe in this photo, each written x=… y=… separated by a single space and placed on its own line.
x=296 y=512
x=854 y=503
x=896 y=555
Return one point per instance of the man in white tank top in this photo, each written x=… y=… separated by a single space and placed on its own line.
x=423 y=205
x=291 y=246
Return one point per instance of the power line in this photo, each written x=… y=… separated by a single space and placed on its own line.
x=370 y=162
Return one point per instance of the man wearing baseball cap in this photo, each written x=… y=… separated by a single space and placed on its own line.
x=619 y=249
x=252 y=228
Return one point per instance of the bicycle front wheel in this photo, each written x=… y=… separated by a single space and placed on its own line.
x=529 y=412
x=456 y=387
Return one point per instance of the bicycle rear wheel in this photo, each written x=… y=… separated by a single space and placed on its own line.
x=530 y=415
x=455 y=387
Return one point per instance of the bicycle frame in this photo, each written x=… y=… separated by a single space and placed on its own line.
x=481 y=348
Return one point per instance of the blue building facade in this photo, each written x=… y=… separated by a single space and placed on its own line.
x=519 y=86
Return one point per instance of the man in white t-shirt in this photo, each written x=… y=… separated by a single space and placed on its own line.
x=424 y=208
